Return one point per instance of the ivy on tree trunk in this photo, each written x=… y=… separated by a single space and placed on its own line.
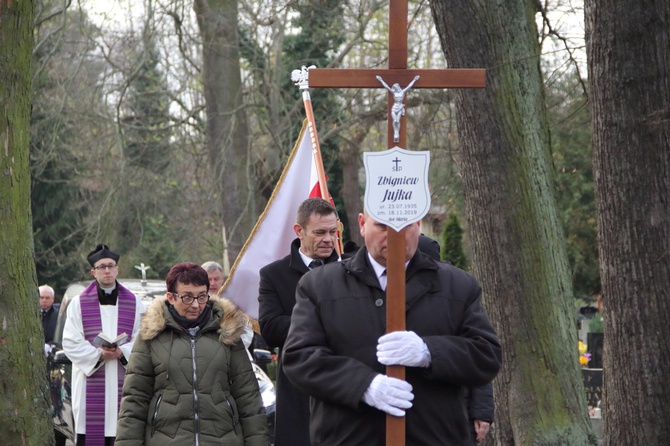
x=517 y=240
x=24 y=413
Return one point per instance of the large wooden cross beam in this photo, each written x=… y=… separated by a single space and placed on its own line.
x=397 y=72
x=366 y=78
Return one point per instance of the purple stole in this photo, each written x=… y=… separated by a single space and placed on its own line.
x=95 y=384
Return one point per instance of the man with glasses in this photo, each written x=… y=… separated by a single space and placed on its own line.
x=106 y=307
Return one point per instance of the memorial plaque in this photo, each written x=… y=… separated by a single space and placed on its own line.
x=396 y=191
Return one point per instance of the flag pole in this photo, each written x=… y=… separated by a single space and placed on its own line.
x=301 y=79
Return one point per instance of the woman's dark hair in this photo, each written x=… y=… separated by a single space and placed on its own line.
x=188 y=274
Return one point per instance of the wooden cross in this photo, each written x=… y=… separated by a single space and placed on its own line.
x=397 y=72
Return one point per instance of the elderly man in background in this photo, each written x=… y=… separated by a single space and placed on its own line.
x=216 y=276
x=49 y=313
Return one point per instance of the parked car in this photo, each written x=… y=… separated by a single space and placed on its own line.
x=59 y=367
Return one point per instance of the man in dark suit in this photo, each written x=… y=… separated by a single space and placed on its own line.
x=316 y=228
x=49 y=313
x=337 y=346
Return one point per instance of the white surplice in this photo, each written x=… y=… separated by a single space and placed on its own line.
x=85 y=356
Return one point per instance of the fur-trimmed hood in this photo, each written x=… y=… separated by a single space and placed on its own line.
x=232 y=320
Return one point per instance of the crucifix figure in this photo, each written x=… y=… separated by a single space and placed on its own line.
x=398 y=109
x=397 y=74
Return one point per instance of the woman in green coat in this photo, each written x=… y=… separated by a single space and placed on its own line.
x=189 y=380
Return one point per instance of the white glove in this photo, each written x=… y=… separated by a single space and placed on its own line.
x=403 y=348
x=391 y=395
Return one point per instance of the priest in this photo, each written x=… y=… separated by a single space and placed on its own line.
x=105 y=306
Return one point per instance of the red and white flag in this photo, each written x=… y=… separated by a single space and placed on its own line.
x=273 y=233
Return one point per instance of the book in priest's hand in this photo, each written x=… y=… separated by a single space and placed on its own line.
x=102 y=340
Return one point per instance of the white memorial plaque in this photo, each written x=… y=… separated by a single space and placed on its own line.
x=396 y=191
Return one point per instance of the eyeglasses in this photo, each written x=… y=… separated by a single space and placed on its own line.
x=189 y=298
x=104 y=267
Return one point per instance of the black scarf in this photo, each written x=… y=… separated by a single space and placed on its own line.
x=187 y=324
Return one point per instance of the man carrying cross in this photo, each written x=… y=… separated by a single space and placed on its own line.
x=336 y=347
x=339 y=315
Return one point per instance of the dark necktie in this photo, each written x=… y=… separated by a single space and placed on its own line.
x=382 y=280
x=314 y=263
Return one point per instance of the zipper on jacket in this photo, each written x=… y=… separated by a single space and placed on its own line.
x=155 y=415
x=233 y=415
x=196 y=401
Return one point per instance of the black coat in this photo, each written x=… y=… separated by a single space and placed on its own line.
x=479 y=401
x=330 y=352
x=276 y=299
x=49 y=321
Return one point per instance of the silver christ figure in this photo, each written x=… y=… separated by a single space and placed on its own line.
x=398 y=109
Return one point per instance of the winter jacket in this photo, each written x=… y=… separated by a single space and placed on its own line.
x=191 y=390
x=330 y=352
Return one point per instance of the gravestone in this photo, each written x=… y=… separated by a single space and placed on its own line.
x=594 y=343
x=593 y=385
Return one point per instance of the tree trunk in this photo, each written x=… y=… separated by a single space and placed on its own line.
x=629 y=74
x=518 y=245
x=226 y=129
x=350 y=156
x=24 y=413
